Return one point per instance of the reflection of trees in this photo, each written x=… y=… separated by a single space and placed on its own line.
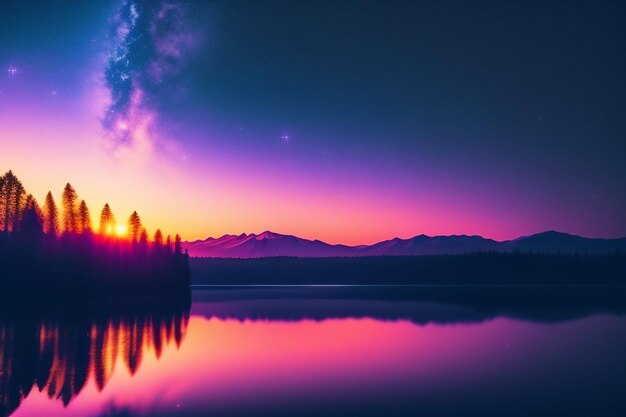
x=58 y=356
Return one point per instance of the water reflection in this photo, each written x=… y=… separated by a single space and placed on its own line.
x=420 y=305
x=57 y=354
x=326 y=351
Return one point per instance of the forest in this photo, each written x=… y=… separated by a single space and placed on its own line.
x=479 y=268
x=50 y=250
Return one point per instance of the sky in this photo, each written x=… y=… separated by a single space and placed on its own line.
x=345 y=121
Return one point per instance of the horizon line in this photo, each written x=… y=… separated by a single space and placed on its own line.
x=407 y=238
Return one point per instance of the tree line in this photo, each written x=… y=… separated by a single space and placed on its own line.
x=20 y=212
x=36 y=241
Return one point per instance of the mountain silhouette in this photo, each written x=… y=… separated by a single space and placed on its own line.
x=270 y=244
x=556 y=242
x=263 y=245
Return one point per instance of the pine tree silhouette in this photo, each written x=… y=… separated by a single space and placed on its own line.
x=178 y=245
x=84 y=219
x=50 y=216
x=107 y=220
x=90 y=264
x=30 y=225
x=158 y=238
x=168 y=244
x=70 y=213
x=12 y=200
x=134 y=226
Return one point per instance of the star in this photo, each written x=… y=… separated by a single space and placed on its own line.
x=12 y=71
x=285 y=138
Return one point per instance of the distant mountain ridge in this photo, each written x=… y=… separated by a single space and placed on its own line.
x=269 y=244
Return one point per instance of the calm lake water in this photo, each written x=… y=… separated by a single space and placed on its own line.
x=324 y=351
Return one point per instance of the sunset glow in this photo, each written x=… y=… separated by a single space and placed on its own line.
x=312 y=208
x=120 y=230
x=200 y=141
x=246 y=361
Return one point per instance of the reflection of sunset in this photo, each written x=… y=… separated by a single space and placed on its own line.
x=227 y=361
x=59 y=359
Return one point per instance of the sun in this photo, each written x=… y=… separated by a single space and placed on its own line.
x=120 y=230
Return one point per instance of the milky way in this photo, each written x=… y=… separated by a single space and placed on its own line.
x=149 y=46
x=322 y=119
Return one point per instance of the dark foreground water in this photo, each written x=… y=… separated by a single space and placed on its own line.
x=325 y=351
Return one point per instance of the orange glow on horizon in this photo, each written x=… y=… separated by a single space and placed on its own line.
x=113 y=230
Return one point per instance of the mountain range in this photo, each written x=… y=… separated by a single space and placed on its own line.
x=270 y=244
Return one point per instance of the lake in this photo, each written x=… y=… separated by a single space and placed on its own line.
x=320 y=351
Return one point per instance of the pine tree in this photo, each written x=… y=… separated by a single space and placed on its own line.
x=168 y=243
x=30 y=223
x=107 y=220
x=134 y=226
x=178 y=247
x=50 y=216
x=158 y=238
x=84 y=219
x=70 y=214
x=143 y=237
x=2 y=203
x=31 y=203
x=12 y=200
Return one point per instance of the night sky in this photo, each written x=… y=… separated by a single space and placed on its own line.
x=347 y=121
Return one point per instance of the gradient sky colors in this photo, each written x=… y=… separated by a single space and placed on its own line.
x=348 y=122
